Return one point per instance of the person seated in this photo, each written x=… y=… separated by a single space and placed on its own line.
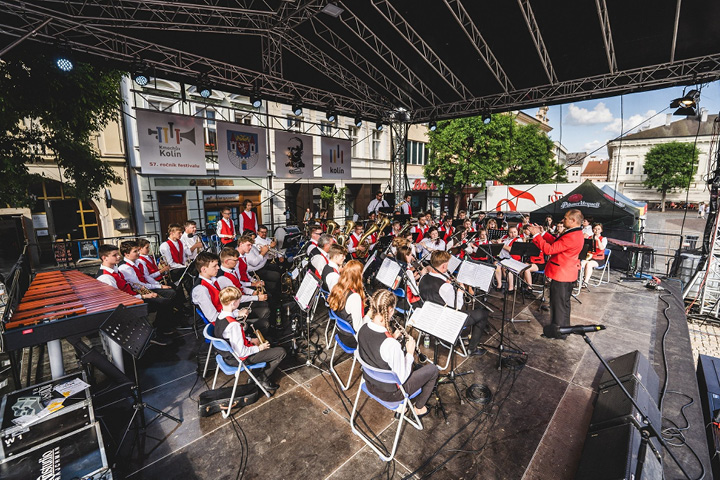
x=354 y=246
x=587 y=228
x=432 y=241
x=206 y=294
x=251 y=351
x=507 y=241
x=267 y=246
x=599 y=244
x=321 y=257
x=331 y=271
x=347 y=300
x=549 y=225
x=379 y=348
x=312 y=244
x=177 y=258
x=405 y=257
x=479 y=249
x=153 y=270
x=537 y=263
x=191 y=241
x=446 y=230
x=259 y=267
x=228 y=275
x=420 y=230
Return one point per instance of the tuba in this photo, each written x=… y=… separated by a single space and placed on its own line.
x=377 y=227
x=343 y=237
x=331 y=226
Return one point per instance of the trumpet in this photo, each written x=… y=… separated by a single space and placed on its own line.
x=260 y=290
x=258 y=334
x=162 y=263
x=377 y=227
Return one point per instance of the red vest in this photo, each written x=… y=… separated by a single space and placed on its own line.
x=214 y=291
x=230 y=319
x=176 y=253
x=242 y=269
x=150 y=264
x=248 y=221
x=226 y=229
x=420 y=231
x=319 y=273
x=138 y=272
x=233 y=278
x=447 y=233
x=515 y=257
x=599 y=252
x=120 y=282
x=355 y=241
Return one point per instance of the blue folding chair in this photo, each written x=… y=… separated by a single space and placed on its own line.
x=384 y=376
x=400 y=293
x=222 y=346
x=604 y=268
x=347 y=328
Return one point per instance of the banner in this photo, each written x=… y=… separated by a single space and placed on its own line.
x=335 y=156
x=242 y=150
x=293 y=155
x=170 y=144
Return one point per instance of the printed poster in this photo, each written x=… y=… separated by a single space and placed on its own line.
x=293 y=155
x=335 y=154
x=242 y=150
x=171 y=144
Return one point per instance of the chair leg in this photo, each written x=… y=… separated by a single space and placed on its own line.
x=250 y=374
x=207 y=361
x=346 y=385
x=226 y=413
x=217 y=370
x=329 y=340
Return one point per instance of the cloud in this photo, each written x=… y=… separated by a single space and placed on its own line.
x=591 y=146
x=636 y=122
x=582 y=116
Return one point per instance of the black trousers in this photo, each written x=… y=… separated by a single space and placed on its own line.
x=270 y=274
x=560 y=295
x=423 y=378
x=273 y=356
x=476 y=321
x=162 y=306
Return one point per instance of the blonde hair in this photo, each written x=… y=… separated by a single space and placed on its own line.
x=350 y=281
x=399 y=242
x=383 y=303
x=229 y=295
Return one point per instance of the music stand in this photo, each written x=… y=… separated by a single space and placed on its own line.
x=307 y=298
x=133 y=334
x=524 y=250
x=514 y=363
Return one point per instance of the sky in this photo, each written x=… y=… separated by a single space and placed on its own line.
x=588 y=125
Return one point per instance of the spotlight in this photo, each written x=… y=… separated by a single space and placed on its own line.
x=205 y=92
x=203 y=87
x=379 y=126
x=64 y=63
x=256 y=99
x=358 y=121
x=486 y=118
x=331 y=116
x=687 y=103
x=140 y=73
x=432 y=126
x=297 y=107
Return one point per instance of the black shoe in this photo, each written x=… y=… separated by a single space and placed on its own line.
x=478 y=352
x=269 y=386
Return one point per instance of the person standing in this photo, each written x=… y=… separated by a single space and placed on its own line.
x=226 y=228
x=562 y=267
x=248 y=219
x=406 y=206
x=377 y=203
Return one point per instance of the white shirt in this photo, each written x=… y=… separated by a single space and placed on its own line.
x=319 y=261
x=223 y=281
x=450 y=296
x=376 y=204
x=145 y=259
x=353 y=305
x=201 y=298
x=504 y=253
x=229 y=223
x=431 y=245
x=242 y=258
x=167 y=255
x=312 y=244
x=405 y=208
x=242 y=220
x=262 y=242
x=235 y=336
x=349 y=245
x=109 y=279
x=255 y=261
x=131 y=277
x=332 y=277
x=188 y=243
x=391 y=352
x=587 y=231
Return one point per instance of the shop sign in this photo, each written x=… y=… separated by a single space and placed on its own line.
x=420 y=185
x=222 y=197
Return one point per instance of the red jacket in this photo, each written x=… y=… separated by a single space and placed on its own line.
x=563 y=264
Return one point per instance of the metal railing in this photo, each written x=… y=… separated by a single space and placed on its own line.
x=666 y=251
x=72 y=252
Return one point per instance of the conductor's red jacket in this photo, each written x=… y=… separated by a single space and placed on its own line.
x=564 y=262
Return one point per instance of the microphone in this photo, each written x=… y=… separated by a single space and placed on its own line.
x=579 y=329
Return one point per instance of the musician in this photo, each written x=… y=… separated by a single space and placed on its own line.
x=192 y=243
x=377 y=203
x=110 y=275
x=249 y=259
x=597 y=252
x=460 y=241
x=347 y=300
x=420 y=230
x=251 y=351
x=501 y=220
x=446 y=230
x=507 y=241
x=475 y=250
x=436 y=287
x=354 y=243
x=432 y=241
x=480 y=222
x=322 y=257
x=405 y=257
x=315 y=233
x=491 y=224
x=396 y=228
x=468 y=226
x=587 y=229
x=226 y=228
x=247 y=220
x=263 y=241
x=549 y=225
x=562 y=267
x=206 y=294
x=228 y=275
x=406 y=206
x=150 y=264
x=380 y=349
x=176 y=257
x=331 y=272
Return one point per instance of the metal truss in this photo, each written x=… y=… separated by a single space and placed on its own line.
x=368 y=37
x=692 y=70
x=398 y=147
x=607 y=34
x=272 y=54
x=534 y=29
x=471 y=30
x=385 y=8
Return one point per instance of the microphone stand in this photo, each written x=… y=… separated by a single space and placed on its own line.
x=649 y=430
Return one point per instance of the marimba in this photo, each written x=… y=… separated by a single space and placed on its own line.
x=62 y=305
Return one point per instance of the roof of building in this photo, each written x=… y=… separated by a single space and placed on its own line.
x=596 y=169
x=687 y=127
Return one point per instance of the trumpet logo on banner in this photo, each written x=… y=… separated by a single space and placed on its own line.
x=293 y=155
x=245 y=151
x=336 y=158
x=170 y=144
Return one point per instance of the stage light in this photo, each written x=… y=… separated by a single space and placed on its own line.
x=203 y=87
x=256 y=99
x=358 y=121
x=486 y=118
x=64 y=63
x=379 y=126
x=331 y=116
x=140 y=73
x=687 y=103
x=432 y=126
x=205 y=92
x=297 y=107
x=332 y=9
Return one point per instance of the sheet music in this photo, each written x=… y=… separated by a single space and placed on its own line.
x=444 y=323
x=388 y=273
x=513 y=265
x=307 y=290
x=369 y=261
x=454 y=263
x=294 y=273
x=476 y=275
x=413 y=285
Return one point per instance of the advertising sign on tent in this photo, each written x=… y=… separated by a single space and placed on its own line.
x=293 y=155
x=242 y=150
x=335 y=154
x=170 y=144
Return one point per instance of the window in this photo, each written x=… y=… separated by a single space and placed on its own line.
x=243 y=117
x=629 y=168
x=353 y=133
x=327 y=128
x=376 y=139
x=294 y=123
x=575 y=173
x=210 y=131
x=416 y=153
x=160 y=106
x=86 y=217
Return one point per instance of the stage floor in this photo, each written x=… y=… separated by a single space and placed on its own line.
x=534 y=428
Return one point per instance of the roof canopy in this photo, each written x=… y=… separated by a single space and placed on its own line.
x=401 y=59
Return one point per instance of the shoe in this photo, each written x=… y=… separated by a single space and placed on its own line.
x=478 y=352
x=160 y=340
x=269 y=386
x=421 y=415
x=584 y=285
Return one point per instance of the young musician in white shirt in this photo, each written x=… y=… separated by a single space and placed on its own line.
x=226 y=228
x=347 y=300
x=598 y=259
x=191 y=241
x=312 y=244
x=331 y=271
x=228 y=275
x=150 y=264
x=353 y=244
x=176 y=257
x=248 y=220
x=508 y=241
x=432 y=241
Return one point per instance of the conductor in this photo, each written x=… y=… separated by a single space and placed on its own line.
x=562 y=267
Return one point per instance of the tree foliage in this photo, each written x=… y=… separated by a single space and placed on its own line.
x=467 y=151
x=49 y=114
x=669 y=166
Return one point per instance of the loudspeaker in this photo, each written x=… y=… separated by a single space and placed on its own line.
x=62 y=216
x=708 y=377
x=636 y=365
x=613 y=407
x=613 y=453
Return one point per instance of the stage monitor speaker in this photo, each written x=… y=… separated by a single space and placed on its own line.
x=612 y=454
x=636 y=365
x=613 y=407
x=708 y=377
x=62 y=216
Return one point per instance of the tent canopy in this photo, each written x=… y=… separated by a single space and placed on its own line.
x=592 y=202
x=616 y=196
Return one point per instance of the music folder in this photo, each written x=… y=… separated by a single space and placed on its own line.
x=439 y=321
x=307 y=291
x=525 y=249
x=495 y=248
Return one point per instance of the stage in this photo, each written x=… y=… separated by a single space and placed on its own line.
x=534 y=428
